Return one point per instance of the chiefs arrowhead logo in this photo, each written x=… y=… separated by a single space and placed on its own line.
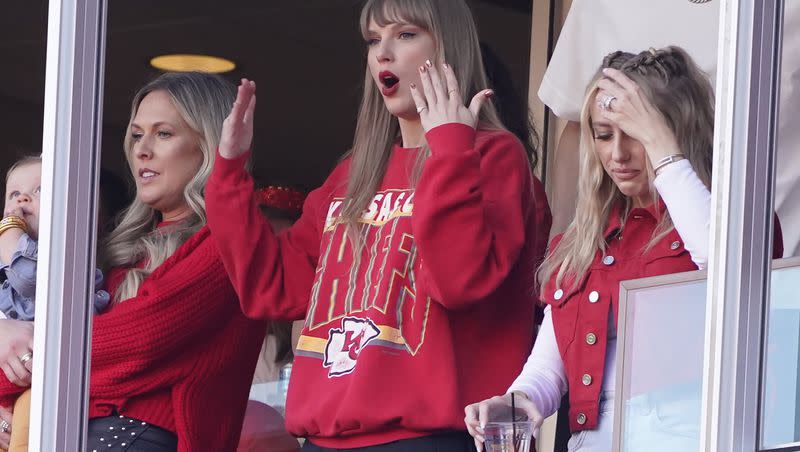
x=345 y=344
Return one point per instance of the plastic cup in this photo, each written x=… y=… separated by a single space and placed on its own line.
x=507 y=436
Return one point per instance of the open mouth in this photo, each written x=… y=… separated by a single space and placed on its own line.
x=147 y=174
x=390 y=83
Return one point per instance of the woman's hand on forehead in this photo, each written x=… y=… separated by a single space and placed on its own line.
x=440 y=100
x=622 y=102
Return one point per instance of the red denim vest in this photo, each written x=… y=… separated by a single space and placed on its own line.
x=580 y=314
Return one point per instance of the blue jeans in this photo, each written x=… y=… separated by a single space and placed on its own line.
x=666 y=420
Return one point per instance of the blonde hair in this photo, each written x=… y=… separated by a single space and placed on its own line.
x=203 y=101
x=682 y=93
x=453 y=29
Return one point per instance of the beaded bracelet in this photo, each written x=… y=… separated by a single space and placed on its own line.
x=13 y=222
x=666 y=161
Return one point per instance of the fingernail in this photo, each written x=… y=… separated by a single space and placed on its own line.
x=413 y=85
x=606 y=70
x=428 y=63
x=446 y=66
x=423 y=69
x=488 y=93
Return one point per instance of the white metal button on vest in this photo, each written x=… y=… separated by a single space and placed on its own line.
x=608 y=260
x=586 y=379
x=591 y=339
x=581 y=418
x=558 y=294
x=594 y=296
x=675 y=245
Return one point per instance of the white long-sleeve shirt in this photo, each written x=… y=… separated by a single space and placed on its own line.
x=543 y=378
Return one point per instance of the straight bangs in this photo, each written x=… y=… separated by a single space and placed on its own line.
x=385 y=12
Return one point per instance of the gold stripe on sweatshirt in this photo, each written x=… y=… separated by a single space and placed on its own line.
x=311 y=344
x=317 y=345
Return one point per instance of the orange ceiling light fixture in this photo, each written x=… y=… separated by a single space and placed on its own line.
x=189 y=62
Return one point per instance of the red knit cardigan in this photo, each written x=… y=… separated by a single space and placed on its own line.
x=180 y=354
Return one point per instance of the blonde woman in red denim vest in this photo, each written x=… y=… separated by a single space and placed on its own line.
x=644 y=209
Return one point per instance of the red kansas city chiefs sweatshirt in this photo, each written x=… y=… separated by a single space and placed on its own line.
x=437 y=313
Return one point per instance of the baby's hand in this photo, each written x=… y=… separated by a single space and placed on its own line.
x=15 y=211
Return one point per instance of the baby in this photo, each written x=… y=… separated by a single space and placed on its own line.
x=19 y=232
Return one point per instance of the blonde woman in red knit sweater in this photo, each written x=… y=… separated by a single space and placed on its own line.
x=420 y=242
x=173 y=357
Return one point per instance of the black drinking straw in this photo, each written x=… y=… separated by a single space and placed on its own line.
x=513 y=422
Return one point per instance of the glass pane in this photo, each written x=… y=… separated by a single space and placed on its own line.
x=780 y=408
x=780 y=404
x=308 y=60
x=660 y=373
x=23 y=27
x=787 y=172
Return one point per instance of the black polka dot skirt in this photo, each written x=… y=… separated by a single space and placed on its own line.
x=121 y=433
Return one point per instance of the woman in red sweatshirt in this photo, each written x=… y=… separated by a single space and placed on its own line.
x=173 y=356
x=412 y=264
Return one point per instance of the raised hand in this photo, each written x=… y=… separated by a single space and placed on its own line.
x=623 y=103
x=237 y=129
x=439 y=102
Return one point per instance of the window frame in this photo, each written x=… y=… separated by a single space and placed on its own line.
x=742 y=227
x=741 y=230
x=68 y=212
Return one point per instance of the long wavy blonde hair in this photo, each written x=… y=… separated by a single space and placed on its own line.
x=453 y=29
x=683 y=94
x=203 y=101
